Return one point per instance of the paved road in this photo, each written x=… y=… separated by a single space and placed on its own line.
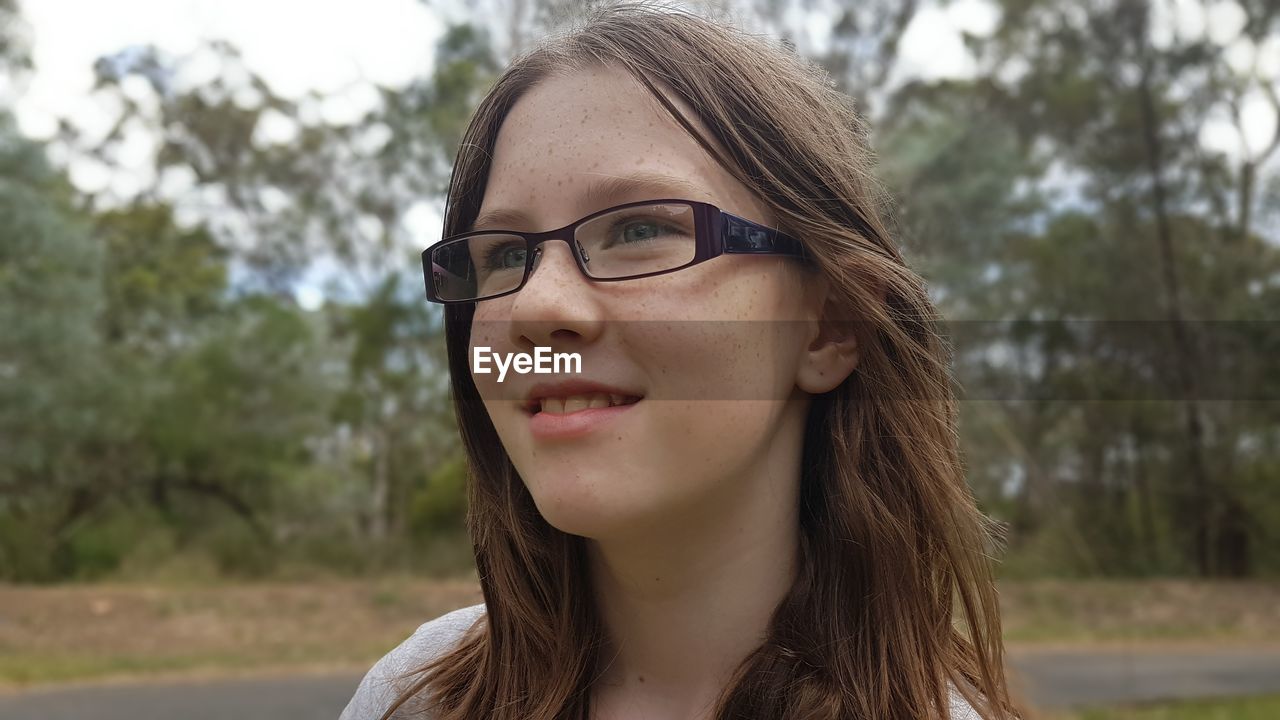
x=1061 y=679
x=1053 y=679
x=314 y=697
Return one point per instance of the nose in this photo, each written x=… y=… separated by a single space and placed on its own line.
x=557 y=306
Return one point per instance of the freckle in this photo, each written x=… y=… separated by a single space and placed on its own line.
x=641 y=678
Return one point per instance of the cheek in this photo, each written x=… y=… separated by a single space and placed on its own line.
x=488 y=327
x=713 y=360
x=711 y=438
x=737 y=330
x=488 y=332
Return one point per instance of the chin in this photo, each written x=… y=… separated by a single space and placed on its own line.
x=588 y=507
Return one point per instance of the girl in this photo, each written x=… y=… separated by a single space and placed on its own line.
x=749 y=503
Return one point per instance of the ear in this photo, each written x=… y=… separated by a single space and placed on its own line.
x=832 y=351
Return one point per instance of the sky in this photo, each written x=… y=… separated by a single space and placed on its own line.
x=341 y=49
x=326 y=46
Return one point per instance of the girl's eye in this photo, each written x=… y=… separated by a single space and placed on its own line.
x=633 y=231
x=505 y=257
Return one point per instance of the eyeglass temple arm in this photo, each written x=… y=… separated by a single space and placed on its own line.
x=744 y=236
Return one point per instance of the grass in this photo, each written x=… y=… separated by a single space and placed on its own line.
x=83 y=632
x=1266 y=707
x=1127 y=611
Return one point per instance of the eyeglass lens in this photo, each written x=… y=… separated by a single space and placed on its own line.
x=629 y=241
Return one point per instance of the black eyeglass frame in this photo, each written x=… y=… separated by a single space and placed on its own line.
x=717 y=232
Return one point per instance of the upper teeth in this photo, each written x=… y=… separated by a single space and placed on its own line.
x=574 y=403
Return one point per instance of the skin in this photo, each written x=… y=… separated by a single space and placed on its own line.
x=688 y=500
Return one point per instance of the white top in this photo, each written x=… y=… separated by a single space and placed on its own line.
x=380 y=687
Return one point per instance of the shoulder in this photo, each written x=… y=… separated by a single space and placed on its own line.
x=959 y=708
x=382 y=683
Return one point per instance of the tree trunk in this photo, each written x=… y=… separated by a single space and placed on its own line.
x=1196 y=502
x=381 y=487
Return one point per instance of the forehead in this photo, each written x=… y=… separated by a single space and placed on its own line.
x=571 y=131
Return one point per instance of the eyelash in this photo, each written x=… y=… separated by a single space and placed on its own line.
x=493 y=257
x=651 y=221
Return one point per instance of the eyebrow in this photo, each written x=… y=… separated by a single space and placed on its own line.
x=599 y=195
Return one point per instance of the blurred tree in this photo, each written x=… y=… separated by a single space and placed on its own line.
x=52 y=388
x=15 y=46
x=1058 y=197
x=338 y=194
x=441 y=504
x=394 y=399
x=156 y=371
x=1114 y=100
x=233 y=419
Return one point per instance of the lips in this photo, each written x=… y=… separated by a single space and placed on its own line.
x=573 y=396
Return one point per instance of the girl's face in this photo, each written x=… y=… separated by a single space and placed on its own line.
x=718 y=353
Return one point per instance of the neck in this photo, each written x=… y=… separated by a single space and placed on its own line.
x=686 y=599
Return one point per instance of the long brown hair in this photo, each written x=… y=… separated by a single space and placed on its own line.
x=892 y=544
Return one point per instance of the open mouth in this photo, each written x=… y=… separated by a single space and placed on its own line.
x=565 y=405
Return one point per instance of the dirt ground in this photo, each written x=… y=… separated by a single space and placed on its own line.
x=75 y=632
x=51 y=634
x=1172 y=612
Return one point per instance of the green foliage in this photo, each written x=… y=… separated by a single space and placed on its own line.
x=50 y=296
x=27 y=543
x=1086 y=243
x=160 y=277
x=464 y=68
x=15 y=51
x=166 y=409
x=163 y=416
x=440 y=506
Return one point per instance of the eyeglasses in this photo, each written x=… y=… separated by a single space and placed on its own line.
x=626 y=242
